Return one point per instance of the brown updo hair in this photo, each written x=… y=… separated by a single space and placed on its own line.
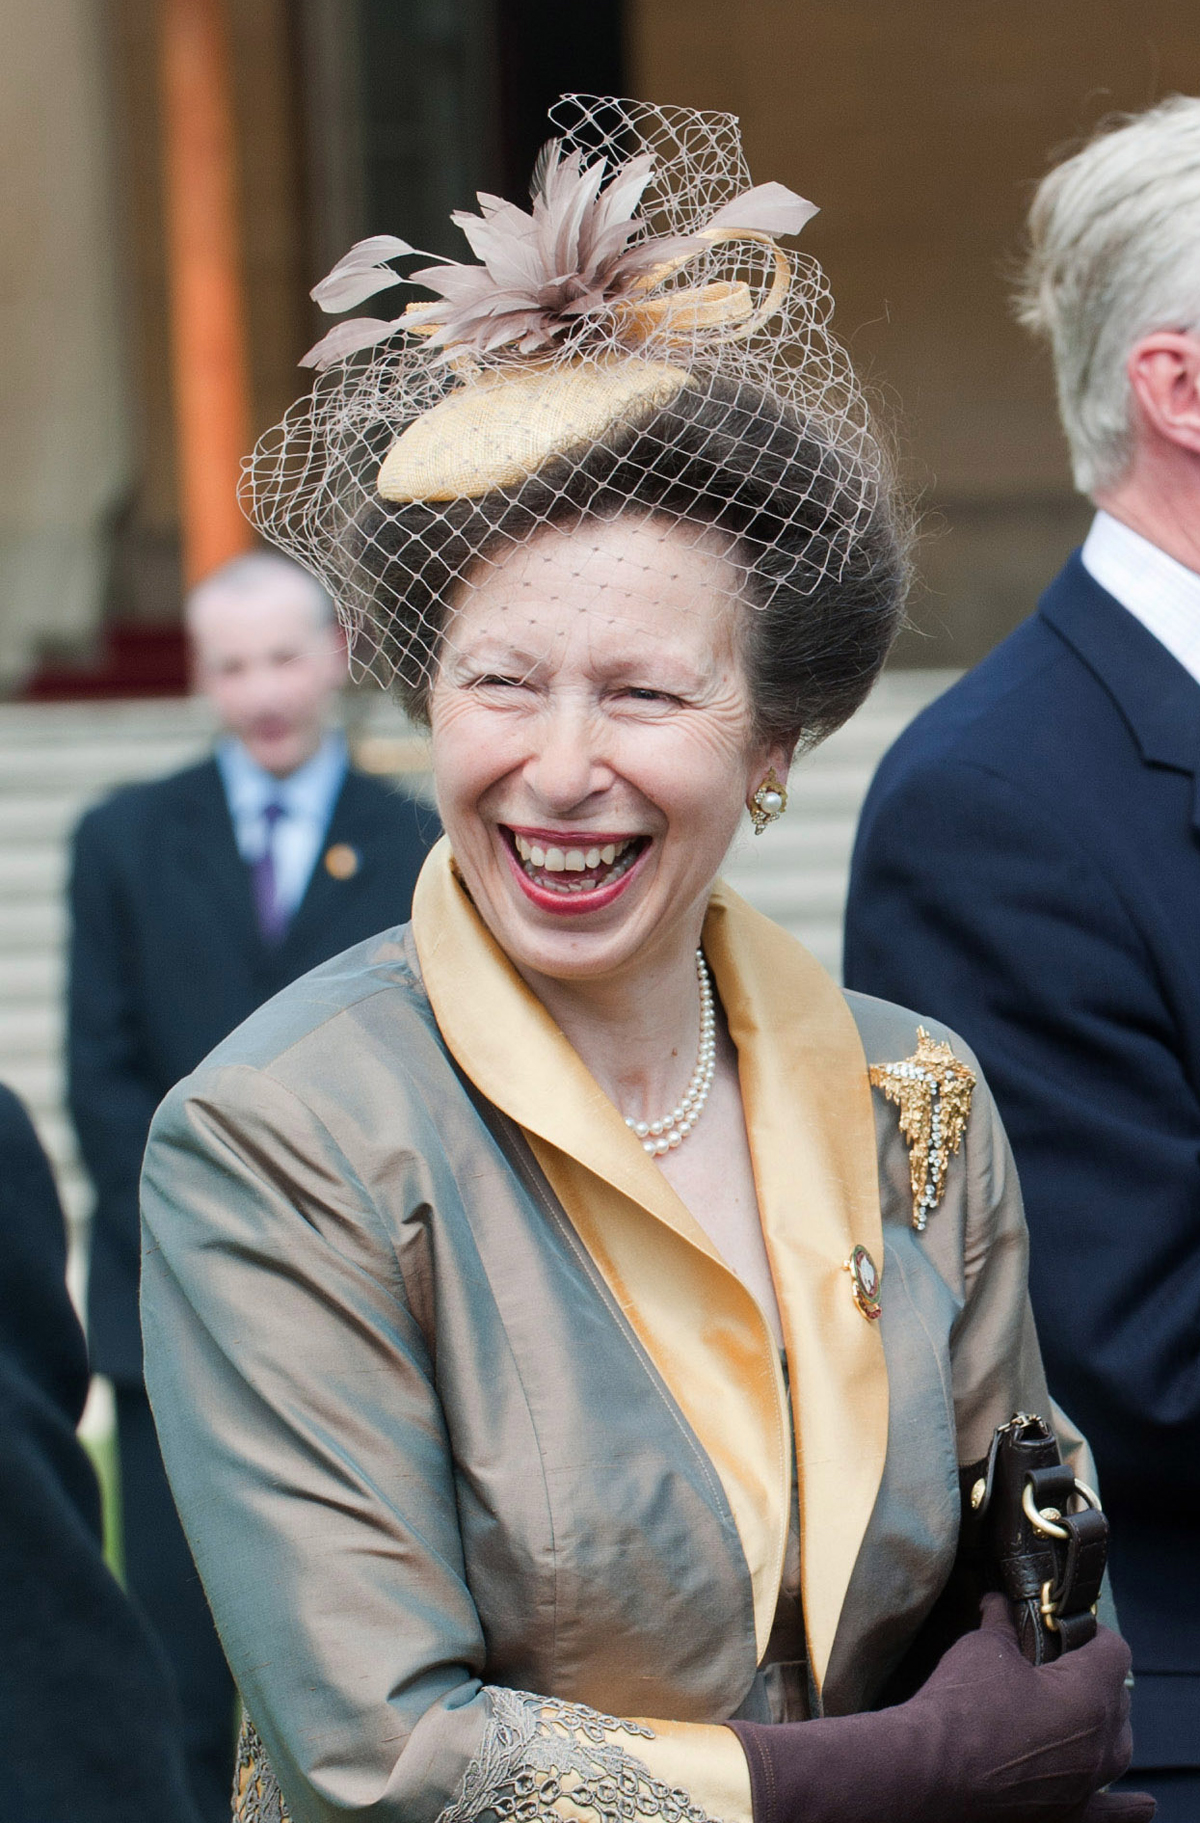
x=822 y=550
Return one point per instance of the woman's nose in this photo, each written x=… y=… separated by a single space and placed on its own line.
x=566 y=765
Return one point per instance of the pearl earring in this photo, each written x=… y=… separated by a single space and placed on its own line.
x=768 y=803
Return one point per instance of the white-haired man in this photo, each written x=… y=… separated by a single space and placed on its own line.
x=193 y=899
x=1028 y=869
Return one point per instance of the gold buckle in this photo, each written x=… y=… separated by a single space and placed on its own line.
x=1049 y=1606
x=1045 y=1519
x=1051 y=1602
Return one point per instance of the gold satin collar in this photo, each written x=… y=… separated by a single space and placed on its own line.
x=812 y=1142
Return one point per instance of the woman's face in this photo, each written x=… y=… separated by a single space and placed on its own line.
x=591 y=742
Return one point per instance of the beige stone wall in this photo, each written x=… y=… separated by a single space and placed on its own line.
x=919 y=126
x=63 y=452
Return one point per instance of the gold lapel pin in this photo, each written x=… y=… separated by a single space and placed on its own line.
x=341 y=861
x=864 y=1281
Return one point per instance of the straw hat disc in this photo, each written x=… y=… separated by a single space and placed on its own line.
x=503 y=425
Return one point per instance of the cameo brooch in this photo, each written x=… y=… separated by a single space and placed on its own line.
x=932 y=1090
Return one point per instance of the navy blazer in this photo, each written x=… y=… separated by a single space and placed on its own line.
x=86 y=1735
x=1028 y=869
x=166 y=959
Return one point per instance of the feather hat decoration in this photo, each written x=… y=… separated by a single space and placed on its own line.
x=643 y=287
x=580 y=253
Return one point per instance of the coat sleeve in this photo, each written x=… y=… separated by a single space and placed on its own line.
x=297 y=1406
x=87 y=1734
x=972 y=903
x=996 y=1359
x=996 y=1362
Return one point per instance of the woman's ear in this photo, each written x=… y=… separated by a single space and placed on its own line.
x=766 y=798
x=773 y=761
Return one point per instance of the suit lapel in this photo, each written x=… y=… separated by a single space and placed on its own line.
x=345 y=860
x=1158 y=699
x=200 y=841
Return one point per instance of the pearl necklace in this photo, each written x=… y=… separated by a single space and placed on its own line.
x=659 y=1136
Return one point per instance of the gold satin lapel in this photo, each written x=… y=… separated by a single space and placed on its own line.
x=701 y=1328
x=511 y=1048
x=812 y=1138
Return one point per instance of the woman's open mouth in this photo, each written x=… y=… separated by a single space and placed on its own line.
x=573 y=876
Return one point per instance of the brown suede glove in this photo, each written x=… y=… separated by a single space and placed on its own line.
x=1119 y=1807
x=987 y=1738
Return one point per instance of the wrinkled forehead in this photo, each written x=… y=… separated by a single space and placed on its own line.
x=602 y=592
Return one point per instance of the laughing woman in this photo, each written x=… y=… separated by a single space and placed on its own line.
x=551 y=1365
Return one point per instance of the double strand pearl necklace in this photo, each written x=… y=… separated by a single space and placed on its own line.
x=659 y=1136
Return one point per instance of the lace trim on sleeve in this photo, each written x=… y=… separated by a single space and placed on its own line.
x=256 y=1794
x=537 y=1750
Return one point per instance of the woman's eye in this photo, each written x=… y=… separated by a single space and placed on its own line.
x=642 y=693
x=494 y=681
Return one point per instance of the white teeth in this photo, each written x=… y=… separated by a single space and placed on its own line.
x=625 y=861
x=619 y=856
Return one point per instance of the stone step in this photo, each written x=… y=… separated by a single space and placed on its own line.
x=29 y=727
x=104 y=763
x=36 y=977
x=797 y=840
x=33 y=1031
x=37 y=1080
x=785 y=895
x=36 y=819
x=35 y=873
x=31 y=926
x=58 y=1137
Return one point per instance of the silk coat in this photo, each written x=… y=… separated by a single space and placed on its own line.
x=458 y=1403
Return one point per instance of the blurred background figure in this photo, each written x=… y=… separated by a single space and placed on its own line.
x=1028 y=868
x=87 y=1734
x=193 y=899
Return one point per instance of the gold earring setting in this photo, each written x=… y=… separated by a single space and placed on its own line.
x=768 y=803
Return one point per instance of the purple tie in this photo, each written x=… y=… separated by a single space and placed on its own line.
x=272 y=913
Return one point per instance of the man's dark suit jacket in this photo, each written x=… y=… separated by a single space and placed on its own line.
x=1028 y=870
x=85 y=1734
x=166 y=959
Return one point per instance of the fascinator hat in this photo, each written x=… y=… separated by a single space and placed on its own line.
x=639 y=338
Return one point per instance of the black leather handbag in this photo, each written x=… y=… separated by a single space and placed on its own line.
x=1020 y=1535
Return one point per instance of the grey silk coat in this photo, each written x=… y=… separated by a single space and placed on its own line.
x=428 y=1443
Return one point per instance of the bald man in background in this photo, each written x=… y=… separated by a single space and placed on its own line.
x=193 y=899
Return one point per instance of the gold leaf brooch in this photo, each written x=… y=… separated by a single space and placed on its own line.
x=932 y=1090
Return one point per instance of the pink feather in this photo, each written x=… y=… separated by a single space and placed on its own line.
x=345 y=339
x=360 y=273
x=768 y=208
x=580 y=249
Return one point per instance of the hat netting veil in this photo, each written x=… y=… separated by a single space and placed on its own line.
x=641 y=341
